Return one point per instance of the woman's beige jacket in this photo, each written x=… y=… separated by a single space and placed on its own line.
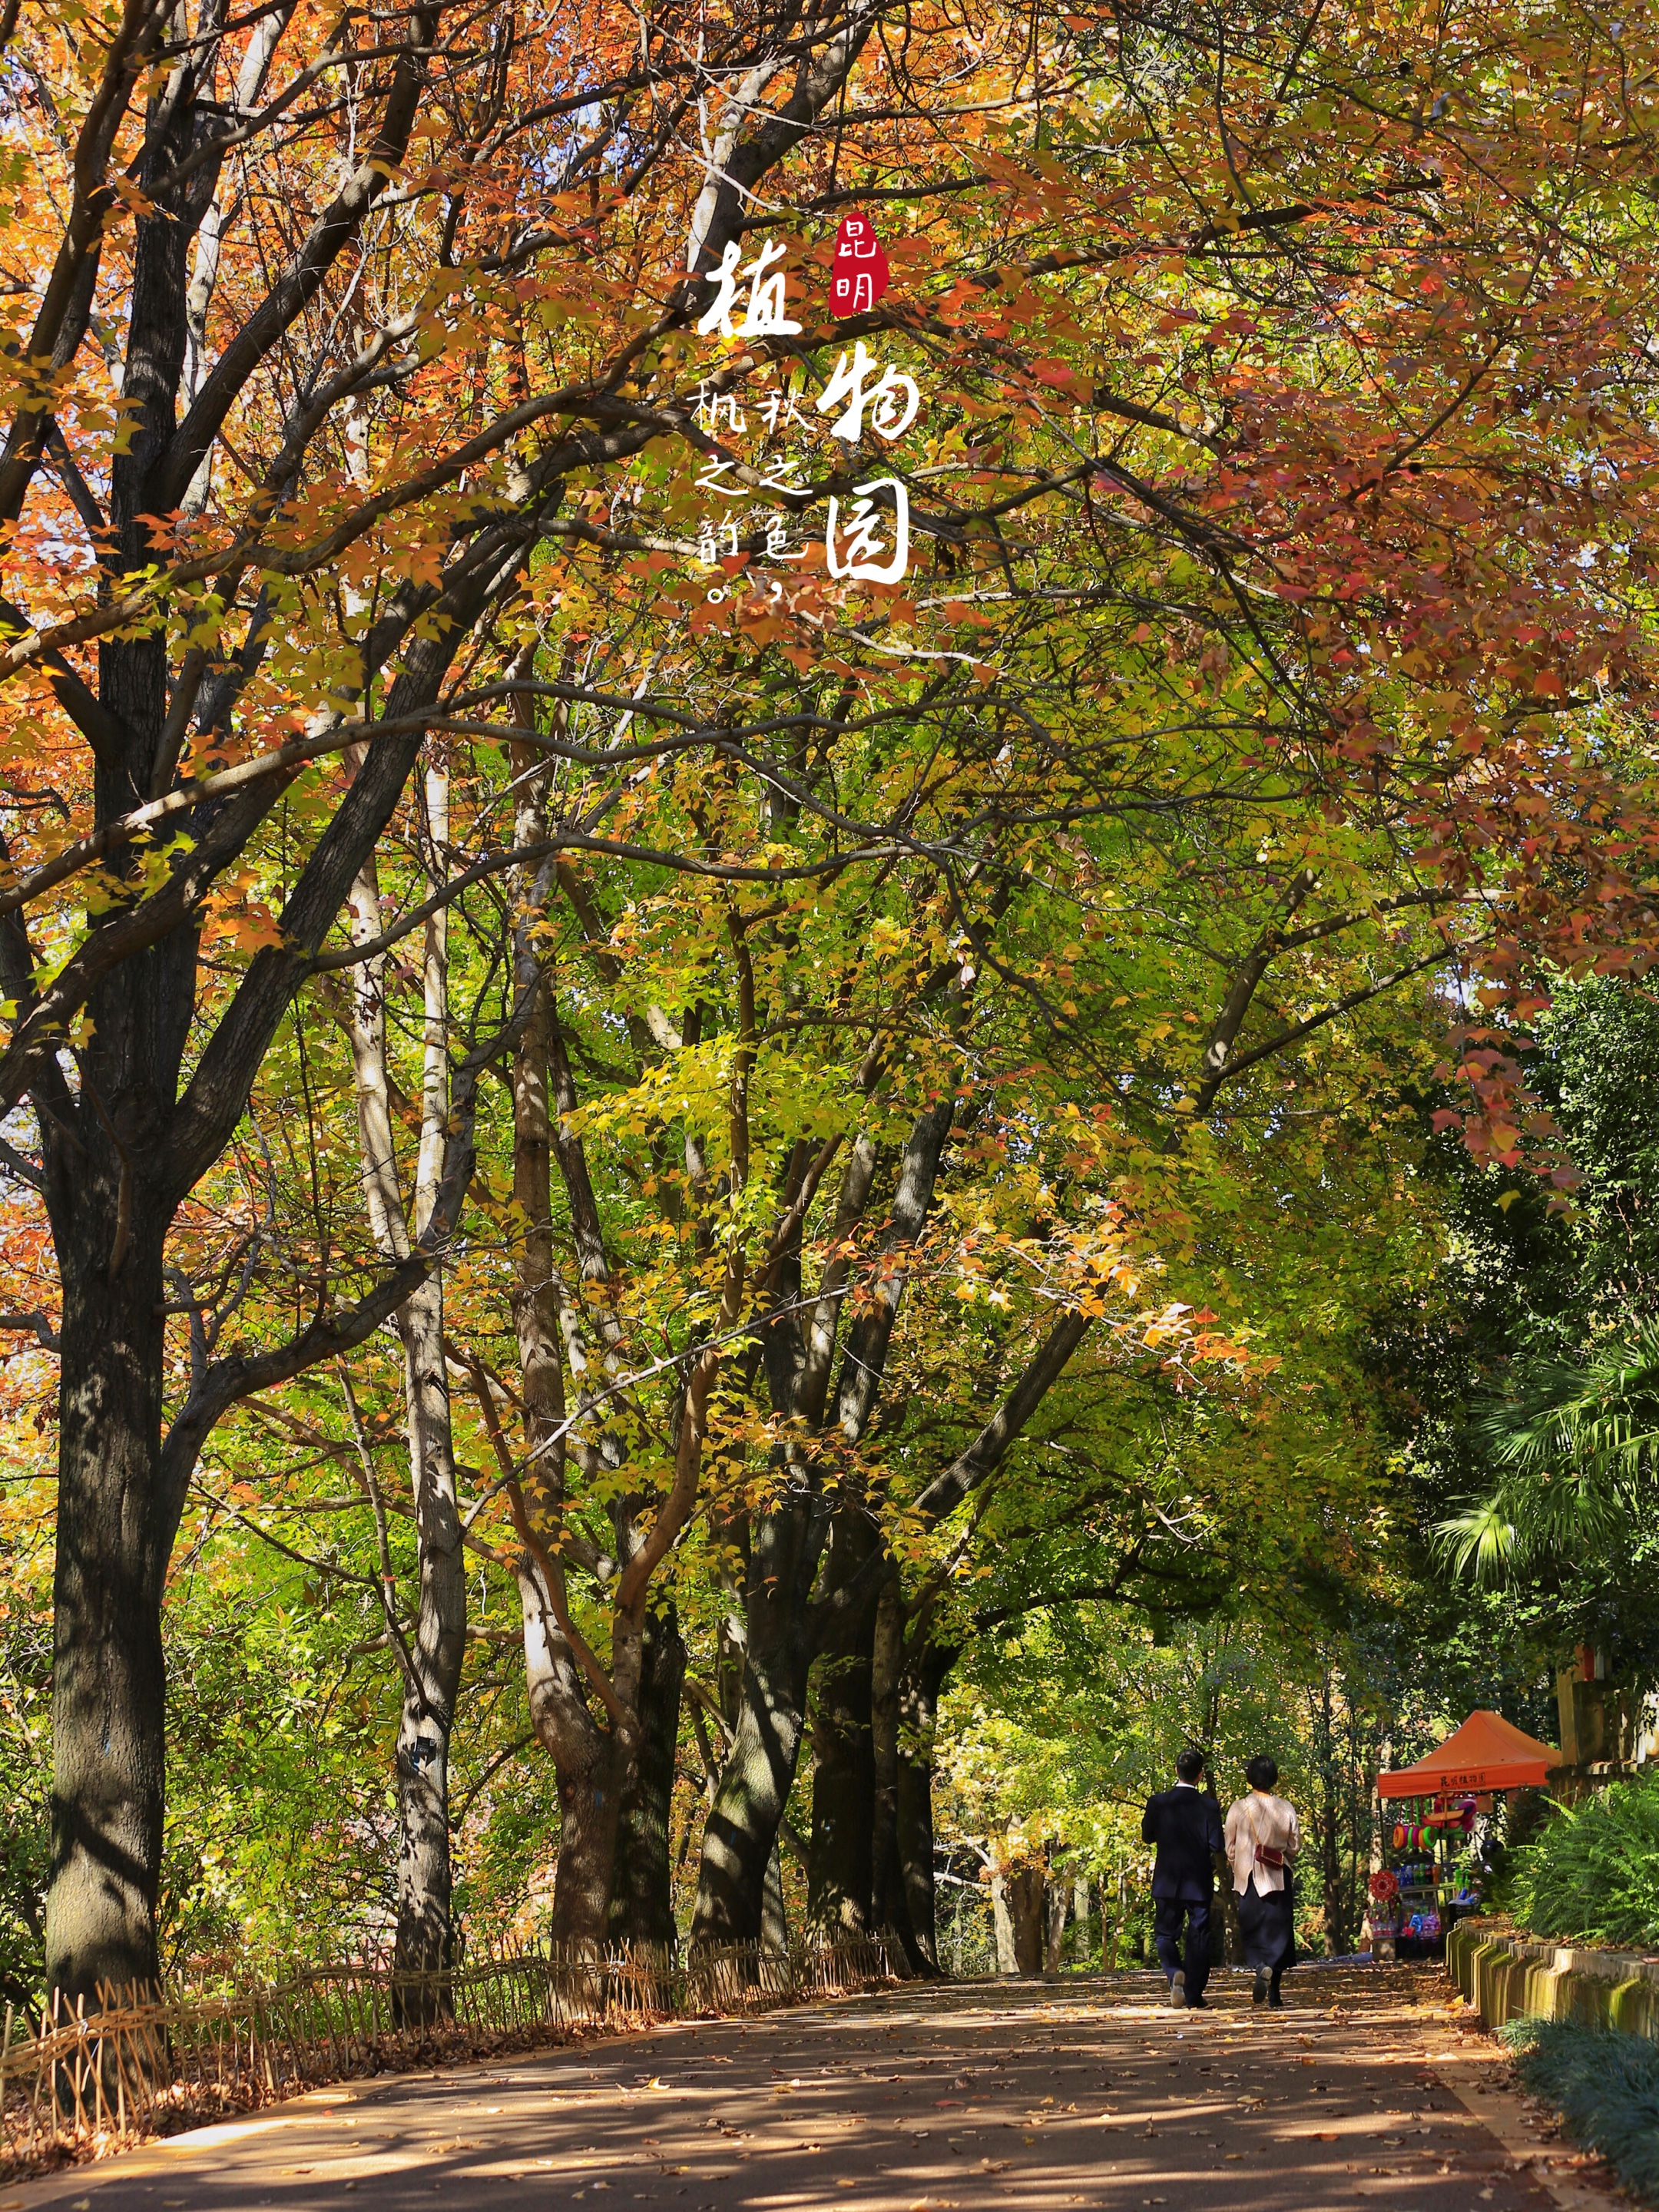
x=1265 y=1819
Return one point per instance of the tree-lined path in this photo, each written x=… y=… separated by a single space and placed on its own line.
x=1031 y=2095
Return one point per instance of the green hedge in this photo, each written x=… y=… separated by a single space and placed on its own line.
x=1592 y=1875
x=1607 y=2088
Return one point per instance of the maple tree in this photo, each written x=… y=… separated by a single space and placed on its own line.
x=278 y=258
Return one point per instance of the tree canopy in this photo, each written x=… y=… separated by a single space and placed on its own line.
x=722 y=1001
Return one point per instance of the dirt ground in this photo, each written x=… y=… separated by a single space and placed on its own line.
x=1034 y=2095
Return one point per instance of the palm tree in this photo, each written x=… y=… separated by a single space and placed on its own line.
x=1576 y=1447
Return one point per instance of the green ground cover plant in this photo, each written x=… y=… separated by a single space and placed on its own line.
x=1607 y=2084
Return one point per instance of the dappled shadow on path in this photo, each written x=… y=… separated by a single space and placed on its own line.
x=1079 y=2091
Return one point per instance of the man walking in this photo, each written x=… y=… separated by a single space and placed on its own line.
x=1185 y=1823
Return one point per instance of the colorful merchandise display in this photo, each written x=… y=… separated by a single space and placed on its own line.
x=1416 y=1898
x=1414 y=1901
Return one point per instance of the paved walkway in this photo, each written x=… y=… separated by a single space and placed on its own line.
x=1031 y=2096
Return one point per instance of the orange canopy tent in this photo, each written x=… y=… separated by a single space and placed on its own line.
x=1486 y=1753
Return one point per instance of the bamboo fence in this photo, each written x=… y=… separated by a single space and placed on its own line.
x=148 y=2061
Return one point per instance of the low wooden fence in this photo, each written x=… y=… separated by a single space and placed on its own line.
x=146 y=2061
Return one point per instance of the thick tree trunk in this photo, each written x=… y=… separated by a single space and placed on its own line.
x=589 y=1809
x=109 y=1691
x=109 y=1187
x=591 y=1772
x=741 y=1831
x=888 y=1908
x=840 y=1883
x=1017 y=1901
x=1002 y=1925
x=919 y=1688
x=585 y=1762
x=759 y=1772
x=782 y=1626
x=642 y=1902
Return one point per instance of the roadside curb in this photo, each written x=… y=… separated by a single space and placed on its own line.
x=1504 y=1978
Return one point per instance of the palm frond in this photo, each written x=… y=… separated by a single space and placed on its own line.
x=1577 y=1445
x=1481 y=1541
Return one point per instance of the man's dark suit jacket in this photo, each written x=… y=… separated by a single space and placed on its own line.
x=1186 y=1826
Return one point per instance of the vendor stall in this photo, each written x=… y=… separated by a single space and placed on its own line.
x=1418 y=1891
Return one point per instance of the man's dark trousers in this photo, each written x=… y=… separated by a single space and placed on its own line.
x=1168 y=1914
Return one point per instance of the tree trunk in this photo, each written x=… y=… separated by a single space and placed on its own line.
x=1329 y=1822
x=642 y=1902
x=585 y=1762
x=760 y=1767
x=741 y=1831
x=783 y=1626
x=588 y=1819
x=774 y=1920
x=1026 y=1900
x=109 y=1691
x=109 y=1184
x=1056 y=1905
x=1336 y=1890
x=591 y=1773
x=425 y=1943
x=1016 y=1902
x=840 y=1865
x=1002 y=1924
x=888 y=1907
x=919 y=1688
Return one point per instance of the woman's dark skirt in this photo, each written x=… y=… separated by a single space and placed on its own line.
x=1266 y=1926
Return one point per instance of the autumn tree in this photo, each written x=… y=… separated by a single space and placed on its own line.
x=1274 y=638
x=254 y=246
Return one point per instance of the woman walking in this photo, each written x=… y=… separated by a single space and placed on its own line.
x=1262 y=1841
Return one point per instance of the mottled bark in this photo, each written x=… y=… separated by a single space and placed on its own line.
x=108 y=1681
x=1016 y=1905
x=425 y=1941
x=740 y=1834
x=641 y=1900
x=1056 y=1910
x=431 y=1658
x=787 y=1616
x=774 y=1919
x=887 y=1906
x=918 y=1723
x=841 y=1871
x=588 y=1788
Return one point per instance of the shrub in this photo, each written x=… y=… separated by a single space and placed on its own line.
x=1593 y=1873
x=1607 y=2088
